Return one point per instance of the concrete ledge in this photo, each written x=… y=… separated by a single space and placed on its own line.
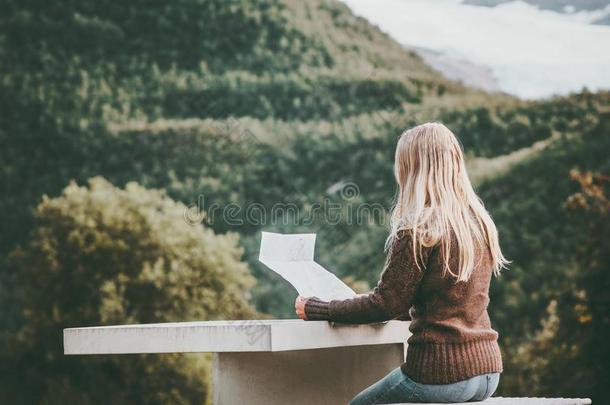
x=523 y=401
x=229 y=336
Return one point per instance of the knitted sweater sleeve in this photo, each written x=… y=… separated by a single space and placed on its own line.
x=390 y=299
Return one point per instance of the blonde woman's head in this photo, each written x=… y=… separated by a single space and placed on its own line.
x=436 y=200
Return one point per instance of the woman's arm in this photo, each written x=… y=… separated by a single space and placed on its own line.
x=391 y=298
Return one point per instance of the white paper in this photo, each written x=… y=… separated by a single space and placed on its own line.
x=291 y=256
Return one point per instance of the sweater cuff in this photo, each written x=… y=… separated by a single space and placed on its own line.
x=316 y=309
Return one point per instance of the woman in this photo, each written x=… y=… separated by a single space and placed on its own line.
x=442 y=249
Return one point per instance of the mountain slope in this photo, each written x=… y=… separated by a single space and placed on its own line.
x=230 y=103
x=266 y=58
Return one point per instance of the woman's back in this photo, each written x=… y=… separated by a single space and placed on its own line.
x=452 y=335
x=442 y=250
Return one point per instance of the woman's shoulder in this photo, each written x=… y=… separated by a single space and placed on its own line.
x=406 y=239
x=418 y=238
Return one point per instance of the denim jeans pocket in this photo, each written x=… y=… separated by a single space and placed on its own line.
x=492 y=384
x=456 y=392
x=411 y=390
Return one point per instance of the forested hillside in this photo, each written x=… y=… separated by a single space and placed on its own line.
x=250 y=104
x=71 y=70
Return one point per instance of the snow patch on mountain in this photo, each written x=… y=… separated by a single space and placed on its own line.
x=529 y=52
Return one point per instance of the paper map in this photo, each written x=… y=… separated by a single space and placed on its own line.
x=291 y=256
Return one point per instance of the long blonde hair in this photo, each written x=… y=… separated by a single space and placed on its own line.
x=436 y=199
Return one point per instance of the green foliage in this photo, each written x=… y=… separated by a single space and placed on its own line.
x=237 y=162
x=494 y=131
x=223 y=34
x=71 y=69
x=573 y=335
x=196 y=58
x=99 y=255
x=280 y=96
x=537 y=233
x=243 y=102
x=558 y=269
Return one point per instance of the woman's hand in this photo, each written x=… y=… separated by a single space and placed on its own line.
x=299 y=307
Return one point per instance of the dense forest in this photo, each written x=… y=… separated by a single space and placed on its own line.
x=119 y=121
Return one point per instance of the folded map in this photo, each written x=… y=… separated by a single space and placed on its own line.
x=291 y=256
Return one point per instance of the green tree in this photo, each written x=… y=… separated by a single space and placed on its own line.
x=101 y=255
x=574 y=335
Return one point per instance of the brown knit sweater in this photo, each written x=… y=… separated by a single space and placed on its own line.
x=452 y=338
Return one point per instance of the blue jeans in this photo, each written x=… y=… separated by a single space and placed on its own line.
x=396 y=387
